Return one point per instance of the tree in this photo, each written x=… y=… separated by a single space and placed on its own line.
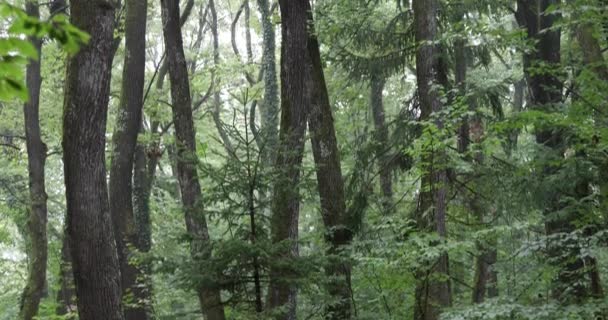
x=295 y=101
x=431 y=293
x=339 y=226
x=124 y=142
x=196 y=223
x=36 y=156
x=95 y=259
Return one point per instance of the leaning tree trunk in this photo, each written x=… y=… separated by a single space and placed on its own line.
x=36 y=157
x=339 y=232
x=431 y=293
x=295 y=100
x=196 y=224
x=124 y=143
x=95 y=259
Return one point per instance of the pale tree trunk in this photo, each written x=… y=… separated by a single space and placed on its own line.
x=295 y=101
x=95 y=260
x=36 y=157
x=431 y=293
x=269 y=109
x=190 y=189
x=124 y=143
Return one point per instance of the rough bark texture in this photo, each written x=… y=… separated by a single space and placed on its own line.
x=36 y=157
x=326 y=154
x=295 y=101
x=377 y=83
x=66 y=297
x=432 y=292
x=545 y=91
x=95 y=260
x=190 y=189
x=269 y=109
x=124 y=142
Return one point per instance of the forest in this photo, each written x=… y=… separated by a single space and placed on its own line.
x=303 y=159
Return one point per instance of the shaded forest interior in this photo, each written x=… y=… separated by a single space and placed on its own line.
x=303 y=159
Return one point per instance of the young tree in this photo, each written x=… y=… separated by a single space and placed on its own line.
x=196 y=223
x=95 y=259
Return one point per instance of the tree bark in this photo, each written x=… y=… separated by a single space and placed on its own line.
x=377 y=83
x=66 y=297
x=95 y=259
x=431 y=293
x=269 y=109
x=196 y=224
x=339 y=232
x=36 y=158
x=124 y=142
x=295 y=101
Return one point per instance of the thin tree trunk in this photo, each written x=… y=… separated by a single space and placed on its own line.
x=295 y=101
x=66 y=297
x=124 y=143
x=95 y=259
x=339 y=233
x=36 y=158
x=431 y=294
x=196 y=224
x=377 y=83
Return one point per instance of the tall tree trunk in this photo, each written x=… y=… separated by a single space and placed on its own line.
x=36 y=157
x=295 y=101
x=196 y=224
x=95 y=259
x=269 y=109
x=545 y=94
x=339 y=232
x=593 y=56
x=124 y=143
x=66 y=297
x=431 y=293
x=471 y=131
x=377 y=83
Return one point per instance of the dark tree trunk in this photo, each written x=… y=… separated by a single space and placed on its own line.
x=95 y=259
x=124 y=143
x=66 y=297
x=377 y=83
x=545 y=95
x=196 y=224
x=295 y=101
x=36 y=157
x=431 y=293
x=339 y=232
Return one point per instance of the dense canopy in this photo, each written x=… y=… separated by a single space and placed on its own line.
x=303 y=159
